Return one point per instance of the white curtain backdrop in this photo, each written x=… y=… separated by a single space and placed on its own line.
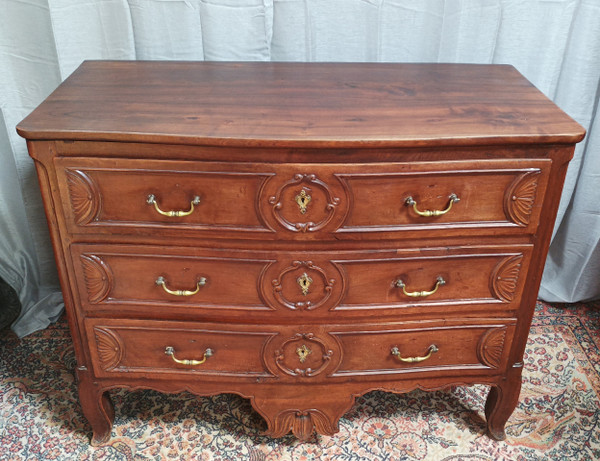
x=554 y=43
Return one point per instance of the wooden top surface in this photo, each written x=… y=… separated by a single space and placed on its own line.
x=299 y=105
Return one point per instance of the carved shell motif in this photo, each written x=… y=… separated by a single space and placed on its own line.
x=98 y=278
x=302 y=423
x=491 y=346
x=505 y=278
x=520 y=197
x=85 y=197
x=110 y=349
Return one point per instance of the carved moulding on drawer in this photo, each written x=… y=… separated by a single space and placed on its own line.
x=306 y=226
x=98 y=278
x=491 y=345
x=505 y=278
x=291 y=356
x=85 y=196
x=303 y=286
x=520 y=197
x=110 y=349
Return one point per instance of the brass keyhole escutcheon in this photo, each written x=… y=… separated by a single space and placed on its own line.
x=304 y=281
x=303 y=352
x=303 y=199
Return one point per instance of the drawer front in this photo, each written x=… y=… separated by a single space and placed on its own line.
x=392 y=351
x=307 y=353
x=111 y=195
x=301 y=201
x=167 y=348
x=142 y=280
x=159 y=280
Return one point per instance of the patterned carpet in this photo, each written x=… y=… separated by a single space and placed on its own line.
x=558 y=416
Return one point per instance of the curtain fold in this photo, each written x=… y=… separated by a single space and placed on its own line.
x=554 y=43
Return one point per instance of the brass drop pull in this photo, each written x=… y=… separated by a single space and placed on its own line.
x=418 y=294
x=432 y=350
x=151 y=200
x=160 y=281
x=171 y=352
x=303 y=199
x=411 y=202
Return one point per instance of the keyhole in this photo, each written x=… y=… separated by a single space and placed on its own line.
x=304 y=281
x=303 y=199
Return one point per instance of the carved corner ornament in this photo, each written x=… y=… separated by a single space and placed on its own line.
x=85 y=196
x=98 y=278
x=110 y=349
x=505 y=278
x=520 y=198
x=491 y=345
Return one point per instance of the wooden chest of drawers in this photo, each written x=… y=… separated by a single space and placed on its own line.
x=299 y=234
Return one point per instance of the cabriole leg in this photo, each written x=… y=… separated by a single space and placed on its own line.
x=97 y=408
x=501 y=402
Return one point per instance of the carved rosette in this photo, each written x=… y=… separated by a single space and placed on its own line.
x=110 y=349
x=85 y=196
x=303 y=355
x=505 y=278
x=491 y=345
x=520 y=198
x=311 y=181
x=302 y=423
x=312 y=272
x=98 y=278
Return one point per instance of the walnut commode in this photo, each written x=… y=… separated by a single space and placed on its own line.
x=299 y=234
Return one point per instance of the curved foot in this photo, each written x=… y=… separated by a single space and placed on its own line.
x=97 y=408
x=501 y=402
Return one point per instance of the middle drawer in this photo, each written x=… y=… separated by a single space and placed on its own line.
x=185 y=282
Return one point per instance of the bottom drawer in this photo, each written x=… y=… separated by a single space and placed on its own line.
x=162 y=349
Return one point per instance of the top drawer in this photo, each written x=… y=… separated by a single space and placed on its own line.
x=301 y=201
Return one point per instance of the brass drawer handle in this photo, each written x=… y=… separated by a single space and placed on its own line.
x=411 y=202
x=417 y=294
x=171 y=352
x=160 y=281
x=151 y=200
x=396 y=353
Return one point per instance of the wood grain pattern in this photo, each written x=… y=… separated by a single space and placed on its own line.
x=299 y=104
x=248 y=138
